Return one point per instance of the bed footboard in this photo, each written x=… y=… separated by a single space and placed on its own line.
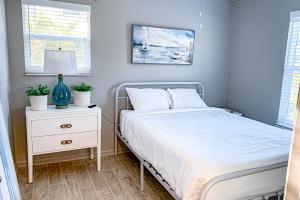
x=243 y=173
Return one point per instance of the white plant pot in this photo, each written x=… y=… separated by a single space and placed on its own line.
x=82 y=99
x=38 y=102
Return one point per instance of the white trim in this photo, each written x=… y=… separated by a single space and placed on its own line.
x=45 y=74
x=38 y=161
x=58 y=4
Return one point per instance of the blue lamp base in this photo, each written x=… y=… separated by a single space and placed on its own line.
x=61 y=94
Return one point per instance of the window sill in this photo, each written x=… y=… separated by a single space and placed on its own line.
x=44 y=74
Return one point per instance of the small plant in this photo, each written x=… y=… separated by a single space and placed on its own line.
x=82 y=87
x=41 y=90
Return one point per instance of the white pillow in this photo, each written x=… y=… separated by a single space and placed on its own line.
x=149 y=99
x=186 y=98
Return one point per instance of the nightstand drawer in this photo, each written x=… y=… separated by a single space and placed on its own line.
x=53 y=143
x=64 y=125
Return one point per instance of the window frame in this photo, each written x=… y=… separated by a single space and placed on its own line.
x=60 y=5
x=282 y=119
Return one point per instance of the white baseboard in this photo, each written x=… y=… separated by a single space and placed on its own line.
x=59 y=158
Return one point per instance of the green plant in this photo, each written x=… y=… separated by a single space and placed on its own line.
x=82 y=87
x=40 y=90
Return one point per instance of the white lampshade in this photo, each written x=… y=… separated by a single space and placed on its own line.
x=59 y=62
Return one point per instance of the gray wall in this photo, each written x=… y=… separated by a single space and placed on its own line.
x=259 y=37
x=111 y=22
x=4 y=72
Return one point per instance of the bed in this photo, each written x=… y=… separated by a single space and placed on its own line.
x=199 y=156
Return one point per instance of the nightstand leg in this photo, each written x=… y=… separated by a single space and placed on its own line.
x=30 y=168
x=141 y=175
x=92 y=152
x=99 y=158
x=116 y=144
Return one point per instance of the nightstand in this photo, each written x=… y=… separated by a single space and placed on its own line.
x=56 y=130
x=232 y=111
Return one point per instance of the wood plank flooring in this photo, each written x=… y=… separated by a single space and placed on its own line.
x=79 y=180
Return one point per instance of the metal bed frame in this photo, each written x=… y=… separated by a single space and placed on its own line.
x=144 y=163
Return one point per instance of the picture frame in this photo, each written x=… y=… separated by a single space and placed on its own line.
x=160 y=45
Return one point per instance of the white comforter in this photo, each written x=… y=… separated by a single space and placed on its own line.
x=190 y=146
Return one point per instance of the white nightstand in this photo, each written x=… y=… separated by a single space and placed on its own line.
x=56 y=130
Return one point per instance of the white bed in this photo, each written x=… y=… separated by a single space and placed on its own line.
x=189 y=147
x=204 y=153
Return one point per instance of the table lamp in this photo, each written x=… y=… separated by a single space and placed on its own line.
x=60 y=62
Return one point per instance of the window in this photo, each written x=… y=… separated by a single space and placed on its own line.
x=291 y=77
x=50 y=25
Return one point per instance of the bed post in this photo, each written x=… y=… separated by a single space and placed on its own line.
x=116 y=129
x=116 y=144
x=116 y=118
x=141 y=175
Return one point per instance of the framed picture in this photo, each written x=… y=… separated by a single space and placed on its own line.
x=155 y=45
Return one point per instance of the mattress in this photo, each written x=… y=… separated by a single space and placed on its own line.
x=189 y=147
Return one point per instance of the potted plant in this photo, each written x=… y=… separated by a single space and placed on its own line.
x=38 y=96
x=82 y=94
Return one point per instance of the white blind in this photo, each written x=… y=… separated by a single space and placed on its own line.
x=50 y=25
x=291 y=77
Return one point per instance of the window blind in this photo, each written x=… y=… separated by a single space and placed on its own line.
x=50 y=25
x=291 y=76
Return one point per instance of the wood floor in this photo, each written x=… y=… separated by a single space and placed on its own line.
x=79 y=180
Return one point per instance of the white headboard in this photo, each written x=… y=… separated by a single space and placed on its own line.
x=121 y=95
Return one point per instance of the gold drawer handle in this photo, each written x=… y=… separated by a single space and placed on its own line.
x=64 y=142
x=66 y=126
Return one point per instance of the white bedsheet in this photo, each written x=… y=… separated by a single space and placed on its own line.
x=188 y=147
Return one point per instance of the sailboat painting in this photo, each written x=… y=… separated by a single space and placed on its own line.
x=153 y=45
